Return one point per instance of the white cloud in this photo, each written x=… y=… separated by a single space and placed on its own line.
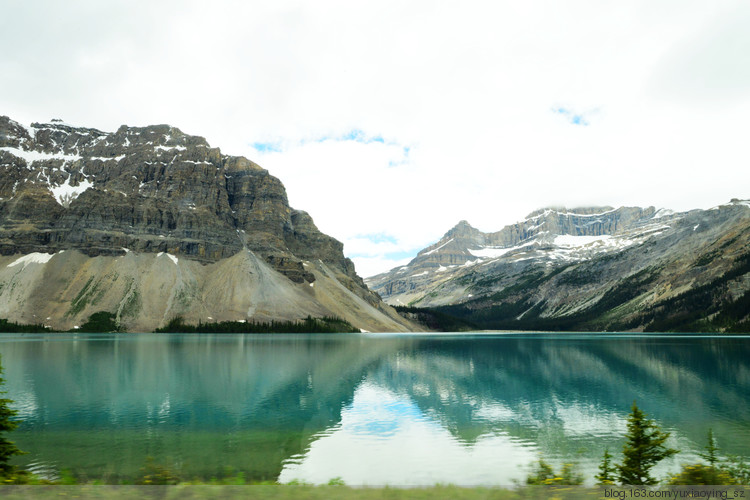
x=710 y=64
x=461 y=93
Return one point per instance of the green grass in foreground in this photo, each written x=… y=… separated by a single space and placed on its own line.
x=331 y=492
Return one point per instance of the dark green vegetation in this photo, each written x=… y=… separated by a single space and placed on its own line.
x=606 y=469
x=732 y=470
x=643 y=449
x=100 y=322
x=706 y=308
x=435 y=319
x=7 y=448
x=544 y=474
x=688 y=310
x=11 y=327
x=308 y=325
x=105 y=322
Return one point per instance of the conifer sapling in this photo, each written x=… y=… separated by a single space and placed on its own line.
x=643 y=449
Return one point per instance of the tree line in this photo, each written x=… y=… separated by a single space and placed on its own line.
x=106 y=322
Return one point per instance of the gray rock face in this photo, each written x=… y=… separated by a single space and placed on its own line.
x=594 y=268
x=464 y=246
x=147 y=189
x=153 y=190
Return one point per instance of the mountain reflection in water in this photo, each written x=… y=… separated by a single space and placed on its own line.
x=400 y=410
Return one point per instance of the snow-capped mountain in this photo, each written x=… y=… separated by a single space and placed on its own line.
x=559 y=263
x=548 y=236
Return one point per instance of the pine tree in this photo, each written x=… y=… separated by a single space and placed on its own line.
x=606 y=469
x=644 y=449
x=711 y=450
x=7 y=448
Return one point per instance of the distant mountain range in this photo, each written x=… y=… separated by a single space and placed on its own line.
x=149 y=223
x=593 y=268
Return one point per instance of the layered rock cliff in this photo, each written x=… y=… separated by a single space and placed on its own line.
x=155 y=223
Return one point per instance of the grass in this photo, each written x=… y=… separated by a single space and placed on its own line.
x=335 y=492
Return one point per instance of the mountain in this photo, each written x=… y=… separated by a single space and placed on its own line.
x=150 y=223
x=593 y=268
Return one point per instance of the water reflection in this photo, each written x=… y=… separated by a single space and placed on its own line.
x=385 y=437
x=398 y=410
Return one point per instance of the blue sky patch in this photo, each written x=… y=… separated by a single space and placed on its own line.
x=572 y=116
x=266 y=147
x=379 y=238
x=384 y=418
x=403 y=254
x=359 y=136
x=394 y=256
x=355 y=134
x=376 y=238
x=405 y=152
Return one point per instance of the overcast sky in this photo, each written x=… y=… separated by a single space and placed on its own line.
x=390 y=121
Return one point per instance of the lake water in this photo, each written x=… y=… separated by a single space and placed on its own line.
x=369 y=409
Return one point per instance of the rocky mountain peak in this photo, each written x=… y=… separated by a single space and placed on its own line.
x=143 y=194
x=737 y=201
x=547 y=233
x=463 y=231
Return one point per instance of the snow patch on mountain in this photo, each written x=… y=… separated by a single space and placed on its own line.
x=32 y=156
x=102 y=158
x=569 y=240
x=32 y=258
x=495 y=252
x=171 y=257
x=438 y=248
x=663 y=212
x=65 y=193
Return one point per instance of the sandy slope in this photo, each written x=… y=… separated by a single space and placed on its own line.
x=146 y=290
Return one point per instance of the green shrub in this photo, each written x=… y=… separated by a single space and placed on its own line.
x=697 y=474
x=544 y=474
x=156 y=474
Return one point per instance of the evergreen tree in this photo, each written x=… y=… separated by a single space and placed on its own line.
x=606 y=469
x=644 y=449
x=7 y=448
x=711 y=450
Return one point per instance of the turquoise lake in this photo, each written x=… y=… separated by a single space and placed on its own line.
x=369 y=409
